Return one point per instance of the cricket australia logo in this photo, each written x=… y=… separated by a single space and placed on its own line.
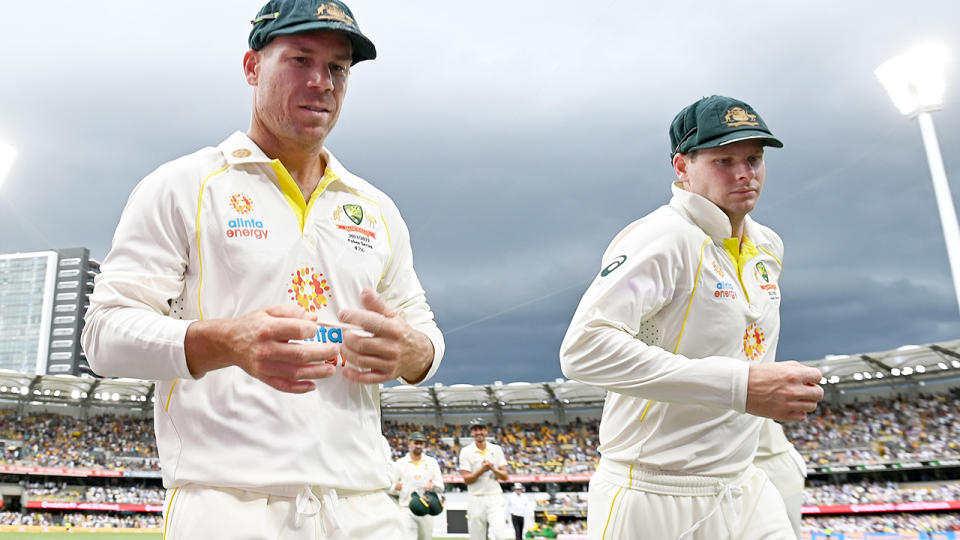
x=754 y=342
x=760 y=271
x=359 y=237
x=309 y=289
x=354 y=212
x=242 y=204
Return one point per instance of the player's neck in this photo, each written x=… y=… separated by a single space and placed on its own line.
x=305 y=163
x=481 y=445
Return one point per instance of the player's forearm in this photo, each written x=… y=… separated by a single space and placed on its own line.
x=206 y=346
x=501 y=472
x=616 y=361
x=470 y=477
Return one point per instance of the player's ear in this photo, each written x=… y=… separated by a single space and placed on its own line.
x=680 y=165
x=251 y=66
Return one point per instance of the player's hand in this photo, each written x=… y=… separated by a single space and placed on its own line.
x=258 y=343
x=394 y=350
x=784 y=391
x=398 y=486
x=429 y=486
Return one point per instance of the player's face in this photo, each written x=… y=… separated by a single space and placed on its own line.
x=478 y=433
x=299 y=83
x=416 y=447
x=730 y=176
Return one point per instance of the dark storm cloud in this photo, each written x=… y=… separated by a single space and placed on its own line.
x=517 y=139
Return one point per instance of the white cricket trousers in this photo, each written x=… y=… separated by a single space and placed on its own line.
x=485 y=516
x=787 y=472
x=196 y=512
x=628 y=503
x=416 y=527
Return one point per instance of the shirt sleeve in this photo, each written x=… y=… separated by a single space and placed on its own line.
x=501 y=458
x=401 y=290
x=644 y=269
x=127 y=331
x=438 y=485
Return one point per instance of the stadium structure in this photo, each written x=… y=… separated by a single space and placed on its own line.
x=883 y=450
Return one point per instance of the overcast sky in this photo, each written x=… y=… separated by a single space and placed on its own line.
x=517 y=138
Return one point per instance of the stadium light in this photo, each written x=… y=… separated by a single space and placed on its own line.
x=920 y=369
x=916 y=83
x=7 y=155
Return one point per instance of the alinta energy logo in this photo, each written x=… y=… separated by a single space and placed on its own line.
x=754 y=342
x=309 y=289
x=244 y=227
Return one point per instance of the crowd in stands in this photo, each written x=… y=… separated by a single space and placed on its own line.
x=99 y=520
x=818 y=493
x=876 y=431
x=881 y=430
x=50 y=491
x=101 y=442
x=546 y=448
x=882 y=523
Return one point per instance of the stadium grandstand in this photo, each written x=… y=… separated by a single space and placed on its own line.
x=883 y=451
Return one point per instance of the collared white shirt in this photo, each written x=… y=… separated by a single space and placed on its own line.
x=223 y=232
x=670 y=327
x=472 y=458
x=414 y=476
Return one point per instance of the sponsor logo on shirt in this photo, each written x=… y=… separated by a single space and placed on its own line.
x=359 y=237
x=717 y=269
x=613 y=266
x=309 y=289
x=725 y=290
x=244 y=227
x=754 y=342
x=241 y=203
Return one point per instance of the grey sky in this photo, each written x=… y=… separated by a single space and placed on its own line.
x=517 y=138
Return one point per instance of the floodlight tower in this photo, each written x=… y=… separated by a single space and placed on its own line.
x=916 y=83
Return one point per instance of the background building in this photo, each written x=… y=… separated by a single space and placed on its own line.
x=43 y=298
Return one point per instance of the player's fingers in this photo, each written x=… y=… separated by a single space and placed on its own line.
x=810 y=375
x=374 y=302
x=365 y=362
x=301 y=353
x=375 y=323
x=365 y=377
x=285 y=329
x=288 y=311
x=371 y=346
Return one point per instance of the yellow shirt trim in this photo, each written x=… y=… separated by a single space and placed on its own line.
x=291 y=191
x=740 y=251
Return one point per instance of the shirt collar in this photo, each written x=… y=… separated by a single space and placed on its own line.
x=239 y=149
x=705 y=214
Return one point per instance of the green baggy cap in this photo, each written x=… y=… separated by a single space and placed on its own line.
x=715 y=121
x=417 y=436
x=288 y=17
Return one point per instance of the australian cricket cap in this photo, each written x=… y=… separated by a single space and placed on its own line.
x=417 y=436
x=288 y=17
x=715 y=121
x=478 y=422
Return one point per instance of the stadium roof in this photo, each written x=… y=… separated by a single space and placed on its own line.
x=906 y=366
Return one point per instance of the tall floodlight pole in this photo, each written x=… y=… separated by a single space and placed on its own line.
x=916 y=84
x=7 y=155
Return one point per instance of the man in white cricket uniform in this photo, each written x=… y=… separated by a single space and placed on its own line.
x=269 y=291
x=785 y=467
x=483 y=466
x=416 y=473
x=681 y=328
